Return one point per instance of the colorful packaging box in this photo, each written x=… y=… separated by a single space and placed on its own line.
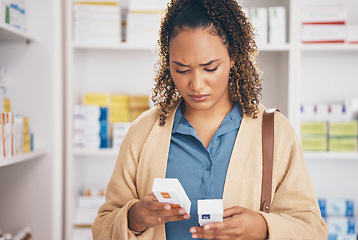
x=169 y=190
x=210 y=210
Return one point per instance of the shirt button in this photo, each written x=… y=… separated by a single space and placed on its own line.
x=208 y=168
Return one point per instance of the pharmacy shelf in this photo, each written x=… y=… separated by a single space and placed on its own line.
x=329 y=47
x=331 y=156
x=22 y=158
x=105 y=152
x=9 y=33
x=274 y=48
x=112 y=46
x=142 y=46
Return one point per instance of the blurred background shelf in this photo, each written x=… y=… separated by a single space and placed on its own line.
x=9 y=33
x=331 y=156
x=23 y=158
x=105 y=152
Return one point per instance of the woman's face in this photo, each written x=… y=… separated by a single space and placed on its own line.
x=200 y=66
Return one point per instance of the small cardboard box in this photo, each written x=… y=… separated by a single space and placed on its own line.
x=169 y=190
x=343 y=129
x=210 y=210
x=314 y=128
x=344 y=144
x=314 y=143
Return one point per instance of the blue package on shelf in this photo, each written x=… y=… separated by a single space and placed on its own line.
x=342 y=225
x=336 y=207
x=104 y=141
x=334 y=236
x=104 y=114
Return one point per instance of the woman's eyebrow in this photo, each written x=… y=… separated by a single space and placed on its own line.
x=203 y=64
x=209 y=63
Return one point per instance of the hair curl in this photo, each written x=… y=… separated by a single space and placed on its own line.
x=231 y=24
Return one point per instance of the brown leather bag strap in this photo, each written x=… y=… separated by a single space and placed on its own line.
x=267 y=158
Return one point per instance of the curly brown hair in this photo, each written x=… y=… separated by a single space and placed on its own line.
x=230 y=23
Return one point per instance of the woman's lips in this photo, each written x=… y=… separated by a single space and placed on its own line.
x=199 y=97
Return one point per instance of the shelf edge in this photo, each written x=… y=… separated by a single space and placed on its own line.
x=22 y=158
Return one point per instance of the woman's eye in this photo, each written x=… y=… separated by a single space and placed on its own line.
x=184 y=71
x=211 y=69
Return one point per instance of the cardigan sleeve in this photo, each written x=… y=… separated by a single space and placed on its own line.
x=294 y=211
x=112 y=219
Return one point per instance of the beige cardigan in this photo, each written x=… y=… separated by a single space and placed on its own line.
x=143 y=156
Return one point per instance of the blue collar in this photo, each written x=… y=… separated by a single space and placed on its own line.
x=230 y=123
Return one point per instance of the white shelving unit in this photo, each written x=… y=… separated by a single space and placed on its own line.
x=31 y=184
x=293 y=73
x=22 y=158
x=10 y=33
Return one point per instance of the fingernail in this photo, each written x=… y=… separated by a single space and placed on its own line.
x=186 y=216
x=193 y=230
x=206 y=227
x=182 y=211
x=194 y=236
x=167 y=207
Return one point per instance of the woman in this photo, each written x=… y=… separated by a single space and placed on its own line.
x=206 y=131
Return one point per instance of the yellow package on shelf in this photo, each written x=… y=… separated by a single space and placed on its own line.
x=99 y=99
x=343 y=129
x=314 y=128
x=314 y=143
x=120 y=100
x=139 y=101
x=7 y=105
x=120 y=117
x=337 y=144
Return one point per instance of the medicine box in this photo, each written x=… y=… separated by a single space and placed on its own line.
x=314 y=128
x=259 y=20
x=324 y=33
x=335 y=236
x=342 y=225
x=210 y=210
x=342 y=144
x=169 y=190
x=311 y=143
x=343 y=129
x=324 y=14
x=336 y=207
x=277 y=25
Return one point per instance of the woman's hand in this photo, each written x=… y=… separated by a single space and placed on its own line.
x=239 y=223
x=148 y=212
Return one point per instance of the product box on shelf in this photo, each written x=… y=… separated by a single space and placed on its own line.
x=169 y=190
x=97 y=21
x=120 y=130
x=342 y=144
x=324 y=33
x=342 y=225
x=259 y=19
x=339 y=207
x=343 y=129
x=324 y=23
x=277 y=25
x=318 y=143
x=91 y=127
x=324 y=14
x=335 y=236
x=210 y=211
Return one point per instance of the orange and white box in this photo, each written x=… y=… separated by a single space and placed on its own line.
x=169 y=190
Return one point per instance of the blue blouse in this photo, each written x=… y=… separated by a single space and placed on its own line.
x=201 y=170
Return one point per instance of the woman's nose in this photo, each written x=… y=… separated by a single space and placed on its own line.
x=197 y=82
